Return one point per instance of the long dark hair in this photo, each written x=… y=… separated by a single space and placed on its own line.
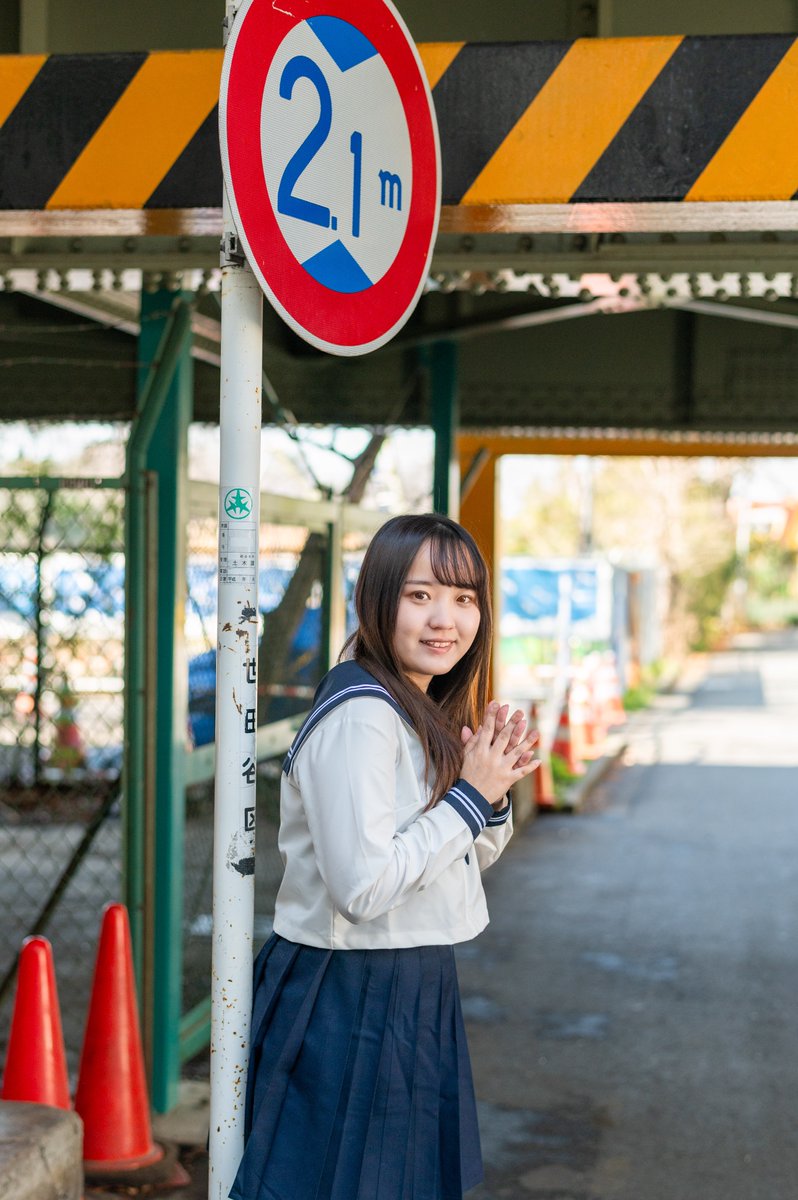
x=460 y=696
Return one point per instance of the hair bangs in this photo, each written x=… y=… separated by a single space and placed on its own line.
x=453 y=562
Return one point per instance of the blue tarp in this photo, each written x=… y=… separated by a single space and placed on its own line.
x=531 y=594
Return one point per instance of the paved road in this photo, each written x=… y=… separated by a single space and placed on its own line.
x=633 y=1007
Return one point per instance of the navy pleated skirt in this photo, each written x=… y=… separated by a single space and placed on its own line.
x=360 y=1083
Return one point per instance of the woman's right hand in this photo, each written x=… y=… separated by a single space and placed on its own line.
x=493 y=762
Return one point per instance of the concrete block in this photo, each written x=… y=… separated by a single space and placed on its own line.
x=41 y=1153
x=187 y=1123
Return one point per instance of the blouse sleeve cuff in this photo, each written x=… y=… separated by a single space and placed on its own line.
x=471 y=805
x=499 y=818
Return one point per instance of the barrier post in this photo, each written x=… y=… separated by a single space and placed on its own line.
x=167 y=694
x=445 y=405
x=236 y=705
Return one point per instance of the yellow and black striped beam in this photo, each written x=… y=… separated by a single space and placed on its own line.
x=110 y=131
x=622 y=120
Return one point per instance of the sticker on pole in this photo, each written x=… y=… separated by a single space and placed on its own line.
x=332 y=165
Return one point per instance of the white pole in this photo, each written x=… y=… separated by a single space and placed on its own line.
x=236 y=709
x=562 y=664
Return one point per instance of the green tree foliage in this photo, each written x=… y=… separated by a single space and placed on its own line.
x=771 y=568
x=547 y=522
x=666 y=512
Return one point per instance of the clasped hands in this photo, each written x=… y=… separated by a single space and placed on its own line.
x=498 y=754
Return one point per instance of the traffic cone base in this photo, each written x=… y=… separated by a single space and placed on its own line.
x=35 y=1068
x=167 y=1169
x=100 y=1166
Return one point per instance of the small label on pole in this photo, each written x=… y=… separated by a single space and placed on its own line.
x=238 y=538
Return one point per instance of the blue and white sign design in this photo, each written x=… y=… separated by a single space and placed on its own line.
x=338 y=170
x=331 y=165
x=538 y=594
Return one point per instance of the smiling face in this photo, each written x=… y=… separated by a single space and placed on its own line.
x=435 y=623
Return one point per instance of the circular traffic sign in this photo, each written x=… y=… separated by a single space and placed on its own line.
x=332 y=165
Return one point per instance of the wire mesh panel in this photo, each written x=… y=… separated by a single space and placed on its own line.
x=61 y=705
x=62 y=631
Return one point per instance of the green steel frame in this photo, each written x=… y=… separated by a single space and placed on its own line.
x=442 y=367
x=155 y=669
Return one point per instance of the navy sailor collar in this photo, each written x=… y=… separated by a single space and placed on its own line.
x=344 y=682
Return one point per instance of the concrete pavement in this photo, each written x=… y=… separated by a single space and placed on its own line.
x=633 y=1004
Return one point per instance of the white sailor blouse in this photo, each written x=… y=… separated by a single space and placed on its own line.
x=367 y=865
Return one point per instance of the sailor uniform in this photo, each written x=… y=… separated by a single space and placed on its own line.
x=360 y=1084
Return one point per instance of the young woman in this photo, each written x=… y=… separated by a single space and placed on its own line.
x=393 y=800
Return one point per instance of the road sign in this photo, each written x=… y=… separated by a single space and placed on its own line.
x=332 y=166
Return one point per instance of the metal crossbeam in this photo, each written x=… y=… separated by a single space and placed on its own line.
x=695 y=133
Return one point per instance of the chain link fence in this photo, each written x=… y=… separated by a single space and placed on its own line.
x=62 y=631
x=61 y=706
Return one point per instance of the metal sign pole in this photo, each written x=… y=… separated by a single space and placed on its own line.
x=236 y=707
x=345 y=270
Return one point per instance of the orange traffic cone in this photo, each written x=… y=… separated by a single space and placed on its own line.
x=564 y=744
x=593 y=724
x=543 y=780
x=36 y=1062
x=112 y=1092
x=610 y=691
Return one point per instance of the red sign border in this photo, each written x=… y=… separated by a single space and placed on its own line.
x=345 y=324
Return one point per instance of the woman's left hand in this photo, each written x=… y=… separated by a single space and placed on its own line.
x=490 y=765
x=517 y=719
